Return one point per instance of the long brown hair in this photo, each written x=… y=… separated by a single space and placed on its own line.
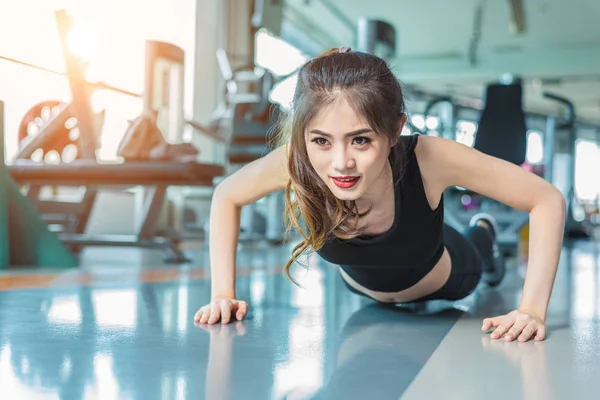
x=373 y=91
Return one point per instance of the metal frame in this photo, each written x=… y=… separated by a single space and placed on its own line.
x=246 y=140
x=73 y=216
x=79 y=107
x=157 y=176
x=509 y=221
x=78 y=215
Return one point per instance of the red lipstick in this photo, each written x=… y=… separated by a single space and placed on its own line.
x=345 y=182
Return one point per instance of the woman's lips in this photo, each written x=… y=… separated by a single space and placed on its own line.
x=345 y=182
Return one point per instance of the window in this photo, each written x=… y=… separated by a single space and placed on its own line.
x=535 y=148
x=281 y=58
x=418 y=121
x=430 y=125
x=465 y=132
x=283 y=92
x=110 y=34
x=277 y=55
x=587 y=165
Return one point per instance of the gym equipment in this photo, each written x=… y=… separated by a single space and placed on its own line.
x=158 y=176
x=144 y=141
x=49 y=132
x=246 y=117
x=243 y=121
x=376 y=37
x=446 y=125
x=268 y=14
x=567 y=149
x=501 y=133
x=53 y=131
x=52 y=136
x=163 y=97
x=26 y=240
x=164 y=88
x=243 y=124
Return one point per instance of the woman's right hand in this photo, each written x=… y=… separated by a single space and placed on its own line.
x=223 y=309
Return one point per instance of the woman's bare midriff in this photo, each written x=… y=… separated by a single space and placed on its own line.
x=433 y=281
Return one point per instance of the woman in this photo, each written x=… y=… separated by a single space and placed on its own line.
x=372 y=200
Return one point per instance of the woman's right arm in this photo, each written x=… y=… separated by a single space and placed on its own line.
x=249 y=184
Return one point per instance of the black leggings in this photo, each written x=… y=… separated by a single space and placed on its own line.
x=469 y=252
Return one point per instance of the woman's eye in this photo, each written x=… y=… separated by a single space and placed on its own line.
x=320 y=141
x=362 y=140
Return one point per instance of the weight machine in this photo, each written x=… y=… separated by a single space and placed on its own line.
x=74 y=126
x=502 y=133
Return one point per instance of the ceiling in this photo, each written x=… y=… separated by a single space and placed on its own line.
x=558 y=51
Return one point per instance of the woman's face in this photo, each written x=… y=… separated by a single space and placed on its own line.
x=346 y=153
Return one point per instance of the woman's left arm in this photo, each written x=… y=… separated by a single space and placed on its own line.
x=546 y=230
x=460 y=165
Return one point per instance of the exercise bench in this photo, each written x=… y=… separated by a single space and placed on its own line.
x=91 y=174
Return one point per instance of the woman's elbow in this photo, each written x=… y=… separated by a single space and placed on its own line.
x=555 y=202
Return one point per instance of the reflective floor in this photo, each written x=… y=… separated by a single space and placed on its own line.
x=112 y=331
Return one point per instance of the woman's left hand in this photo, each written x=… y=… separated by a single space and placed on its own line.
x=516 y=324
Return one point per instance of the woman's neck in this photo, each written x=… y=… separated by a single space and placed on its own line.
x=379 y=195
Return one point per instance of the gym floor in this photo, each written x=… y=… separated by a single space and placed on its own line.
x=121 y=328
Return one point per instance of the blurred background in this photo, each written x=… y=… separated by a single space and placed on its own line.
x=119 y=118
x=229 y=68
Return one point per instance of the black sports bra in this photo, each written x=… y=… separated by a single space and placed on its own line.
x=402 y=256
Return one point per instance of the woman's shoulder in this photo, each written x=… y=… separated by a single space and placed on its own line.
x=437 y=158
